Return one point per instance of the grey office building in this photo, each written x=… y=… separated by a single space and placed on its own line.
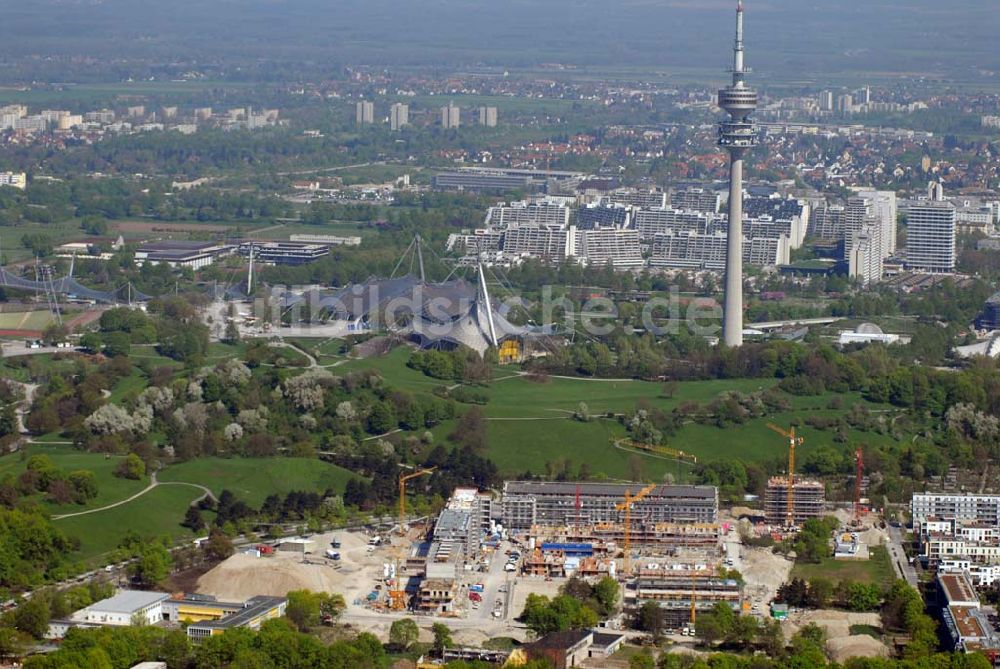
x=930 y=242
x=527 y=503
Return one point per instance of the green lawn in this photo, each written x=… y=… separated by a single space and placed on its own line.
x=25 y=320
x=135 y=382
x=546 y=431
x=253 y=479
x=66 y=458
x=325 y=351
x=876 y=570
x=157 y=513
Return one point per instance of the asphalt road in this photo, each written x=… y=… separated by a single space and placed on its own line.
x=900 y=562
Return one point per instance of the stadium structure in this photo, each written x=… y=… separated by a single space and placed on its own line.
x=69 y=287
x=440 y=315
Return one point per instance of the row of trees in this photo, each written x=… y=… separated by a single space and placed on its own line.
x=40 y=475
x=579 y=605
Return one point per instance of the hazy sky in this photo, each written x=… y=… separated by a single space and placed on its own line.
x=784 y=37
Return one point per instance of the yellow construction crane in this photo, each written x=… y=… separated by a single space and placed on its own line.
x=397 y=595
x=403 y=478
x=694 y=603
x=626 y=506
x=793 y=441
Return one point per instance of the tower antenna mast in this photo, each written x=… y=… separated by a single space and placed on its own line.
x=737 y=134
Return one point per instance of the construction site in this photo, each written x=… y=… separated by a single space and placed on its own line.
x=479 y=558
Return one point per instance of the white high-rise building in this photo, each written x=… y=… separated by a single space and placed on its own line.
x=364 y=112
x=935 y=191
x=864 y=254
x=399 y=116
x=488 y=117
x=930 y=245
x=451 y=116
x=826 y=101
x=885 y=208
x=845 y=103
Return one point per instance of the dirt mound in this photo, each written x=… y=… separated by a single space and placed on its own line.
x=859 y=645
x=243 y=576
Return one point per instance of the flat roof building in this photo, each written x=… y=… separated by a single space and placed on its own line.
x=124 y=608
x=285 y=253
x=952 y=506
x=194 y=255
x=528 y=503
x=252 y=614
x=930 y=242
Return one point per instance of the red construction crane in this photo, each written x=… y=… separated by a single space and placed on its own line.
x=858 y=476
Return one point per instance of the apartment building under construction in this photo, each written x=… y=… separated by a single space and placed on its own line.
x=808 y=500
x=679 y=588
x=661 y=537
x=551 y=503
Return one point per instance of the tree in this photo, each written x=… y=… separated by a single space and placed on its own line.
x=863 y=596
x=303 y=609
x=642 y=660
x=13 y=644
x=55 y=333
x=650 y=618
x=331 y=606
x=820 y=593
x=130 y=467
x=84 y=485
x=403 y=633
x=219 y=546
x=606 y=594
x=470 y=431
x=382 y=419
x=193 y=519
x=744 y=631
x=542 y=615
x=442 y=637
x=117 y=344
x=717 y=624
x=91 y=342
x=153 y=565
x=32 y=617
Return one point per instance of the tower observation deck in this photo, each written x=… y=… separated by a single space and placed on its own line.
x=737 y=134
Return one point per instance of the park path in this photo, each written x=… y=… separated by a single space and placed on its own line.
x=284 y=344
x=24 y=406
x=153 y=483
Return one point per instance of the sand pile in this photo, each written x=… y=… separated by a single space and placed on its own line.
x=243 y=576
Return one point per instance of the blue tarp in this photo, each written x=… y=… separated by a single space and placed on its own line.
x=569 y=549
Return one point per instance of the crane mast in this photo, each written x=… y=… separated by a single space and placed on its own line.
x=626 y=506
x=793 y=441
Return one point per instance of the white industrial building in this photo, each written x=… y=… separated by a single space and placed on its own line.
x=124 y=608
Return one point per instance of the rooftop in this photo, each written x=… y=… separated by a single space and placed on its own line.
x=452 y=520
x=562 y=640
x=607 y=489
x=957 y=588
x=128 y=601
x=604 y=639
x=178 y=245
x=253 y=607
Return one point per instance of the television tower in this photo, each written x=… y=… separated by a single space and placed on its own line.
x=736 y=135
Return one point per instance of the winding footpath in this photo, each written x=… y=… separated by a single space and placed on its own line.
x=153 y=483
